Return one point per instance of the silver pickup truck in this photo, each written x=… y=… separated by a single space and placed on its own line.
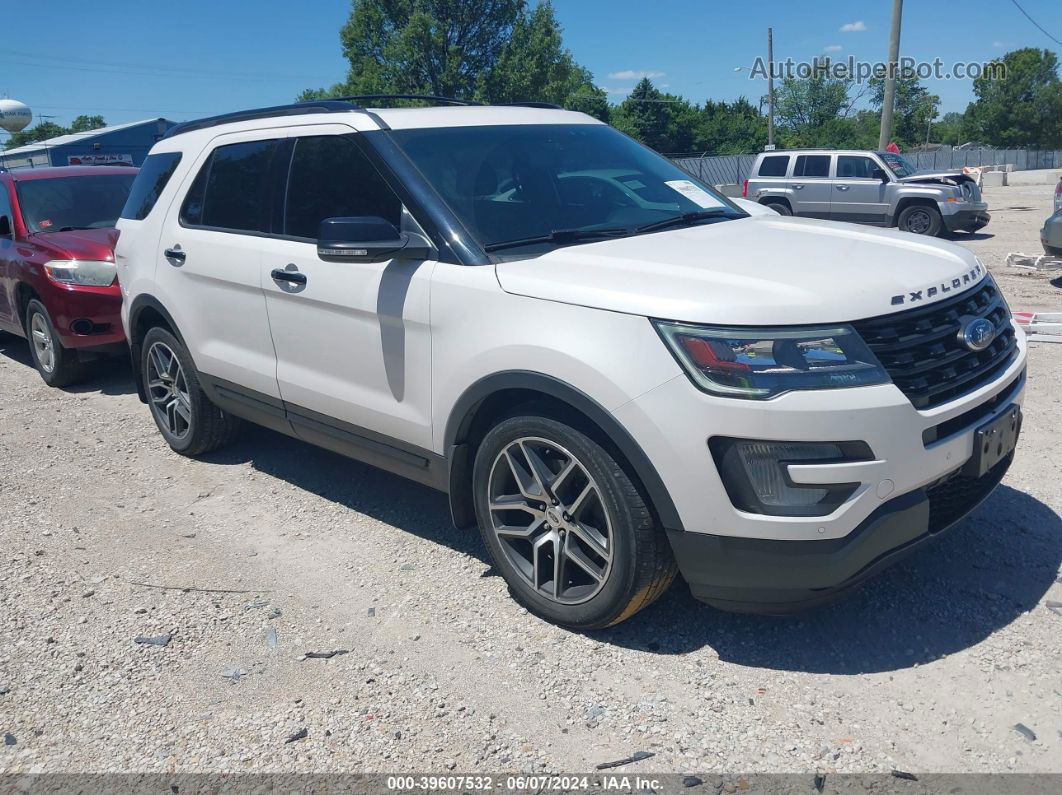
x=878 y=188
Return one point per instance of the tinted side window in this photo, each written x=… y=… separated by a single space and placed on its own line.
x=331 y=178
x=774 y=166
x=231 y=191
x=812 y=166
x=855 y=167
x=148 y=185
x=5 y=204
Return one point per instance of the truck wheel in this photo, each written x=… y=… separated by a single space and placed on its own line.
x=565 y=525
x=57 y=365
x=1052 y=251
x=779 y=207
x=185 y=417
x=920 y=220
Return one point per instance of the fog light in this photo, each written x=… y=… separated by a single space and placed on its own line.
x=756 y=478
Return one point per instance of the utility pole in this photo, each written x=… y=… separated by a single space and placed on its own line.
x=770 y=89
x=890 y=78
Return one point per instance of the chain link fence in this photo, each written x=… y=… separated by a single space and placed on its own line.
x=734 y=169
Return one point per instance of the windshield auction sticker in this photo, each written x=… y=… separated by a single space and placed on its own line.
x=698 y=196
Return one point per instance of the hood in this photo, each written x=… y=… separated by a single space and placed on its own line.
x=938 y=176
x=97 y=244
x=766 y=270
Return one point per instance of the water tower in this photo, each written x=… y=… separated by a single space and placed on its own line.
x=14 y=115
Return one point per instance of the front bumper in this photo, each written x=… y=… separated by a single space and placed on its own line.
x=967 y=220
x=775 y=577
x=86 y=317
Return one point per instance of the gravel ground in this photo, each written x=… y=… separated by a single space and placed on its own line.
x=271 y=549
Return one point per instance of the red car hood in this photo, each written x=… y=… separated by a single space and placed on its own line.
x=97 y=244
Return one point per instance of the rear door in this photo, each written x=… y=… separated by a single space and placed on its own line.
x=811 y=187
x=352 y=340
x=210 y=256
x=857 y=195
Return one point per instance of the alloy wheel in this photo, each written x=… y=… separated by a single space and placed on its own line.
x=43 y=344
x=168 y=390
x=550 y=521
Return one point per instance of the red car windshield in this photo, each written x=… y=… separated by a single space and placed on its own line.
x=64 y=203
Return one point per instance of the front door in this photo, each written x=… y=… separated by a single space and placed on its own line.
x=857 y=194
x=352 y=339
x=810 y=186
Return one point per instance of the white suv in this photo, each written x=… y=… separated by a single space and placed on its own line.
x=614 y=371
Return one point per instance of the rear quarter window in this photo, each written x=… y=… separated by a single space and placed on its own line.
x=774 y=166
x=149 y=184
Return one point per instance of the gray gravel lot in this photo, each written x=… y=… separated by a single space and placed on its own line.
x=292 y=550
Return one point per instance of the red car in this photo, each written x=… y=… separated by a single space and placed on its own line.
x=58 y=284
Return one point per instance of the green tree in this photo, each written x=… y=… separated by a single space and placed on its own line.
x=949 y=129
x=913 y=109
x=1022 y=108
x=42 y=132
x=534 y=65
x=805 y=104
x=730 y=128
x=665 y=122
x=86 y=123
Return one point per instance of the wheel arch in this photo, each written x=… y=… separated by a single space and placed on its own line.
x=492 y=397
x=767 y=201
x=909 y=201
x=24 y=293
x=146 y=312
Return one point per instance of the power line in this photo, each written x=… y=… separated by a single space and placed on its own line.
x=150 y=68
x=1041 y=27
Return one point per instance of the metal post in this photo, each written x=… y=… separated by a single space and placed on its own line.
x=890 y=78
x=770 y=87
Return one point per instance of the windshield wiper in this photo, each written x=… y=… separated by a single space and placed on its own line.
x=562 y=236
x=685 y=218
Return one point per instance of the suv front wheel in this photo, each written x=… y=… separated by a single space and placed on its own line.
x=565 y=525
x=188 y=421
x=57 y=365
x=920 y=219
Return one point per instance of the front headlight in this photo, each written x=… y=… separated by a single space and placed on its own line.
x=763 y=363
x=81 y=272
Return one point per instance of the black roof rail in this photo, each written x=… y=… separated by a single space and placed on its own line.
x=548 y=105
x=297 y=109
x=362 y=98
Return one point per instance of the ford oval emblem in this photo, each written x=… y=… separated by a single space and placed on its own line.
x=977 y=334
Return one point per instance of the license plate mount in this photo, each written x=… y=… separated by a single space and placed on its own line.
x=994 y=441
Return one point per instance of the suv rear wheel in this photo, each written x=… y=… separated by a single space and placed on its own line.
x=57 y=365
x=779 y=207
x=188 y=421
x=920 y=219
x=565 y=525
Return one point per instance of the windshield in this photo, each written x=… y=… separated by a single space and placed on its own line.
x=61 y=203
x=897 y=164
x=518 y=182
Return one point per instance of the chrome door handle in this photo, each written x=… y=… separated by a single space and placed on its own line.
x=798 y=187
x=175 y=255
x=843 y=187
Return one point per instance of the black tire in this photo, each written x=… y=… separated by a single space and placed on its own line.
x=779 y=207
x=642 y=565
x=1051 y=251
x=206 y=427
x=58 y=366
x=920 y=219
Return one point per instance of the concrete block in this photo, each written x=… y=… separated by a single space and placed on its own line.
x=994 y=179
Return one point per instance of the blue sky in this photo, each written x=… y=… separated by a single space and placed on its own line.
x=134 y=60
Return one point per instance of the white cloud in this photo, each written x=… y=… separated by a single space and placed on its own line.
x=999 y=45
x=854 y=27
x=832 y=48
x=634 y=74
x=614 y=90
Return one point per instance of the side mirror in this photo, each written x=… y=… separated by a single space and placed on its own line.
x=367 y=238
x=879 y=173
x=5 y=226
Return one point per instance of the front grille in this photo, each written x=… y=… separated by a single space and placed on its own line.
x=921 y=351
x=952 y=499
